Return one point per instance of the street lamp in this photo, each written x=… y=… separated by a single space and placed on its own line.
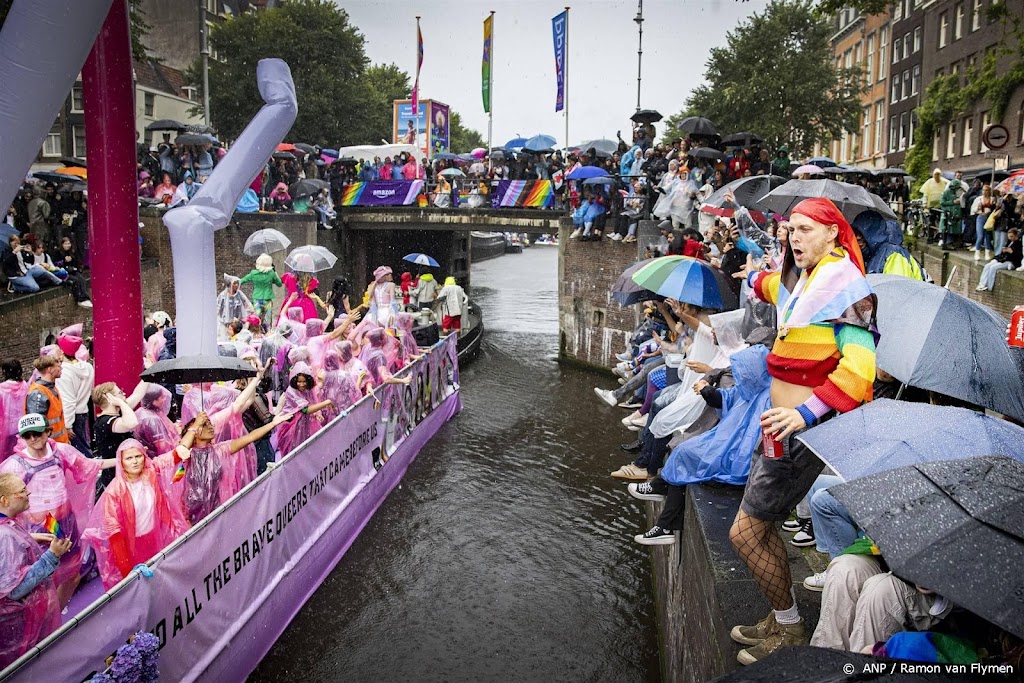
x=639 y=19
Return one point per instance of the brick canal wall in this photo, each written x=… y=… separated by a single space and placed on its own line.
x=965 y=271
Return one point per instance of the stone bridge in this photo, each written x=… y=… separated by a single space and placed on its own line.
x=537 y=221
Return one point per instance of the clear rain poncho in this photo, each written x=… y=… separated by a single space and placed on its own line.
x=687 y=406
x=12 y=407
x=339 y=386
x=25 y=622
x=156 y=431
x=112 y=531
x=724 y=452
x=237 y=469
x=292 y=433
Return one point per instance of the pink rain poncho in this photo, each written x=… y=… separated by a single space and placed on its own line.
x=339 y=386
x=51 y=490
x=156 y=431
x=25 y=622
x=376 y=369
x=133 y=521
x=154 y=345
x=203 y=475
x=294 y=317
x=12 y=407
x=316 y=343
x=380 y=340
x=404 y=324
x=290 y=434
x=237 y=469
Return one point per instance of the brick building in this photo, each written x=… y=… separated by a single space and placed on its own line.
x=958 y=35
x=904 y=81
x=862 y=41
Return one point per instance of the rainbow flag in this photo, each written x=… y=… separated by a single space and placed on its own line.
x=485 y=68
x=419 y=63
x=179 y=473
x=52 y=526
x=527 y=193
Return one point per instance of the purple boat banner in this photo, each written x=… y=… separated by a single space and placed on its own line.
x=221 y=595
x=381 y=193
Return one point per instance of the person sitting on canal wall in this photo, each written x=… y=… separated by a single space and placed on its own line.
x=29 y=609
x=138 y=515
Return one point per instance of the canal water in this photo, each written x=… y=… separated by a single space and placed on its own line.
x=507 y=552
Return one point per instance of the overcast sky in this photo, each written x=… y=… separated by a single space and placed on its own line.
x=678 y=35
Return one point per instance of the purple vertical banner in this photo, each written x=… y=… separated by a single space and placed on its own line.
x=439 y=128
x=558 y=28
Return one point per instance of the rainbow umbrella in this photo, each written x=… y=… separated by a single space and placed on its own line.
x=1012 y=185
x=684 y=279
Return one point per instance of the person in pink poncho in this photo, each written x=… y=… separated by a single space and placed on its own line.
x=203 y=469
x=301 y=288
x=61 y=483
x=377 y=373
x=409 y=350
x=137 y=516
x=293 y=316
x=155 y=429
x=350 y=363
x=379 y=340
x=29 y=610
x=13 y=390
x=319 y=343
x=339 y=386
x=300 y=399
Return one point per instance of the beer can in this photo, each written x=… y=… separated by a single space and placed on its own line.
x=1016 y=337
x=772 y=446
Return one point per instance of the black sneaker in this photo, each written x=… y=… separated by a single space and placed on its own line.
x=656 y=536
x=805 y=537
x=794 y=525
x=645 y=491
x=632 y=446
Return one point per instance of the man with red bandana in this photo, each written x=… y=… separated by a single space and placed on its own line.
x=823 y=362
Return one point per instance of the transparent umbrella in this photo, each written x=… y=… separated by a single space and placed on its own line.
x=266 y=241
x=310 y=259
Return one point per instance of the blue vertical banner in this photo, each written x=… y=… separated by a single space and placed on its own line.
x=559 y=25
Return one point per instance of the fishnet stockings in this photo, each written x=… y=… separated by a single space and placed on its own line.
x=761 y=548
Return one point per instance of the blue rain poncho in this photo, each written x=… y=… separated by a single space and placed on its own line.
x=885 y=252
x=723 y=453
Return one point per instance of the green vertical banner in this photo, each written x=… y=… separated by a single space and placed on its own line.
x=485 y=67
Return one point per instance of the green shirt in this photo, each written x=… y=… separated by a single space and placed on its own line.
x=262 y=283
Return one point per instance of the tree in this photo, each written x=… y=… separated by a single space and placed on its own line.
x=460 y=138
x=776 y=77
x=328 y=64
x=385 y=83
x=827 y=8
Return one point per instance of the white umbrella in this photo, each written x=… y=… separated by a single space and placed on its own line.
x=265 y=241
x=310 y=259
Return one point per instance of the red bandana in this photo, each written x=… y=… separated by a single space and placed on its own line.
x=825 y=212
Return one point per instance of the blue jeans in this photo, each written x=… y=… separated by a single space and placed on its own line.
x=983 y=235
x=834 y=528
x=31 y=281
x=1000 y=241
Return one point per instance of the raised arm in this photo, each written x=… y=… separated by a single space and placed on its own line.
x=257 y=434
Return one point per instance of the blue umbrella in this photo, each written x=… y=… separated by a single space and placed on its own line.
x=330 y=152
x=601 y=180
x=515 y=143
x=446 y=156
x=821 y=161
x=886 y=434
x=584 y=172
x=540 y=144
x=421 y=260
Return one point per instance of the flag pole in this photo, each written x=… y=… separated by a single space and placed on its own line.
x=490 y=113
x=566 y=81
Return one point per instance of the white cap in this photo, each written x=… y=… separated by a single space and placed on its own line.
x=33 y=422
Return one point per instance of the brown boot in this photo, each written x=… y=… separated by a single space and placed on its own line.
x=784 y=635
x=753 y=635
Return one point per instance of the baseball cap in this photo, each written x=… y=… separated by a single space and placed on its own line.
x=33 y=422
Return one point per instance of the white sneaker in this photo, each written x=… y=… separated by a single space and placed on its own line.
x=575 y=233
x=639 y=421
x=971 y=248
x=628 y=420
x=1021 y=267
x=615 y=237
x=85 y=304
x=988 y=254
x=941 y=242
x=981 y=288
x=977 y=255
x=815 y=583
x=606 y=396
x=624 y=356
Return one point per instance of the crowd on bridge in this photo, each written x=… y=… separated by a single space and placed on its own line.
x=96 y=479
x=730 y=387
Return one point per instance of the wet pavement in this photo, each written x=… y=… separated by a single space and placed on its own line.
x=507 y=552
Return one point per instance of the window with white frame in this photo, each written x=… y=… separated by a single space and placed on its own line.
x=965 y=148
x=893 y=134
x=78 y=146
x=917 y=39
x=906 y=45
x=879 y=124
x=897 y=11
x=958 y=22
x=895 y=94
x=915 y=81
x=951 y=140
x=935 y=145
x=51 y=145
x=883 y=43
x=910 y=134
x=906 y=85
x=856 y=53
x=975 y=15
x=149 y=103
x=986 y=121
x=870 y=65
x=903 y=130
x=943 y=29
x=896 y=46
x=865 y=137
x=77 y=100
x=844 y=146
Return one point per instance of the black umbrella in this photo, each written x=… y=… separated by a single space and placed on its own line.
x=195 y=139
x=852 y=200
x=344 y=160
x=72 y=161
x=601 y=145
x=627 y=292
x=747 y=192
x=936 y=339
x=822 y=665
x=197 y=369
x=284 y=155
x=955 y=527
x=646 y=116
x=698 y=125
x=705 y=153
x=51 y=177
x=307 y=187
x=166 y=124
x=891 y=171
x=835 y=170
x=308 y=149
x=886 y=434
x=745 y=138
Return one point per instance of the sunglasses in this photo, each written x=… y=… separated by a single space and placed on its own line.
x=28 y=436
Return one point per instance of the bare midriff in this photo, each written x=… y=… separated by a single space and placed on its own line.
x=788 y=395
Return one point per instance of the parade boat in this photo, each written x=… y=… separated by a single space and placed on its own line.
x=513 y=243
x=220 y=596
x=472 y=334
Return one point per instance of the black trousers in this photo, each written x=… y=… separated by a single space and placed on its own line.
x=671 y=516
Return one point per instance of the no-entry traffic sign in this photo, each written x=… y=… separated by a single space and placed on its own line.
x=995 y=136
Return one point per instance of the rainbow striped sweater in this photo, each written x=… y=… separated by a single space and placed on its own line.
x=836 y=358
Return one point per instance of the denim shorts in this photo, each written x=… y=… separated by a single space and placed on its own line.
x=776 y=485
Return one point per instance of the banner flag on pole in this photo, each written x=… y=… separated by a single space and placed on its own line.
x=558 y=28
x=485 y=67
x=419 y=63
